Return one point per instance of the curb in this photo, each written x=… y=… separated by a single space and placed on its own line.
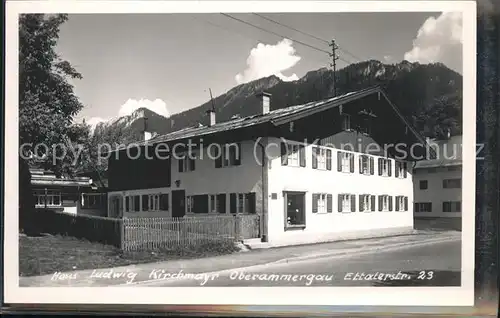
x=344 y=253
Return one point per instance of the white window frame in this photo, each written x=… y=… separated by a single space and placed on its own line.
x=226 y=154
x=185 y=164
x=367 y=203
x=131 y=199
x=321 y=159
x=189 y=204
x=346 y=203
x=95 y=203
x=401 y=203
x=385 y=167
x=293 y=155
x=421 y=206
x=212 y=203
x=321 y=202
x=401 y=169
x=346 y=122
x=385 y=203
x=154 y=202
x=40 y=197
x=346 y=161
x=365 y=159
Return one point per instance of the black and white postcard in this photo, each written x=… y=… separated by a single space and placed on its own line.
x=217 y=145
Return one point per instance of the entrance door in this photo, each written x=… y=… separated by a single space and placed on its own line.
x=178 y=203
x=115 y=208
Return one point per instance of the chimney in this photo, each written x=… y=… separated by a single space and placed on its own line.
x=265 y=102
x=211 y=117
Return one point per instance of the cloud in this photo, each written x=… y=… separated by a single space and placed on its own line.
x=266 y=60
x=94 y=121
x=131 y=105
x=439 y=40
x=388 y=58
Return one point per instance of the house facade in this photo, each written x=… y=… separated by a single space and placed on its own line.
x=67 y=195
x=438 y=184
x=311 y=172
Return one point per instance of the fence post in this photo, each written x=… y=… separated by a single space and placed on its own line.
x=121 y=223
x=236 y=227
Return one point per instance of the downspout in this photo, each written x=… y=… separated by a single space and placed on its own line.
x=264 y=175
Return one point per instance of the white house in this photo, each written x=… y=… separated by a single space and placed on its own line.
x=314 y=172
x=438 y=184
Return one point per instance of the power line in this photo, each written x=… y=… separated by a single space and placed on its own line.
x=277 y=34
x=305 y=33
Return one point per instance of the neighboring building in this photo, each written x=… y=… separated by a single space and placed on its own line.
x=438 y=184
x=68 y=195
x=288 y=167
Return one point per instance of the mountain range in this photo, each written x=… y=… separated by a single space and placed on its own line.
x=429 y=95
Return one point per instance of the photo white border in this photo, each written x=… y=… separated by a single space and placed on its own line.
x=382 y=296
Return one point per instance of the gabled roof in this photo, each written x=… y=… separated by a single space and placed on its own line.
x=274 y=117
x=448 y=153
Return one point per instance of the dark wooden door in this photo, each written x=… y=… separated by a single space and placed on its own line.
x=178 y=203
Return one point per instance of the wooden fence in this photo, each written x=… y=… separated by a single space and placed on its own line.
x=92 y=228
x=149 y=233
x=153 y=233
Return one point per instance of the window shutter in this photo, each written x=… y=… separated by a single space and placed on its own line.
x=237 y=160
x=181 y=166
x=284 y=154
x=380 y=202
x=328 y=159
x=302 y=156
x=351 y=162
x=232 y=203
x=361 y=203
x=405 y=170
x=315 y=153
x=397 y=201
x=389 y=197
x=191 y=164
x=372 y=202
x=353 y=203
x=379 y=166
x=218 y=160
x=339 y=161
x=315 y=203
x=406 y=203
x=396 y=171
x=251 y=202
x=389 y=164
x=415 y=207
x=372 y=166
x=361 y=164
x=339 y=203
x=329 y=203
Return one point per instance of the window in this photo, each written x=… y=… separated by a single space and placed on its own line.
x=401 y=168
x=186 y=164
x=93 y=200
x=213 y=203
x=452 y=183
x=230 y=155
x=322 y=158
x=154 y=202
x=452 y=206
x=293 y=155
x=346 y=122
x=221 y=203
x=189 y=203
x=346 y=203
x=295 y=216
x=384 y=167
x=423 y=184
x=454 y=168
x=133 y=203
x=242 y=203
x=50 y=198
x=366 y=202
x=345 y=161
x=401 y=203
x=385 y=202
x=366 y=164
x=365 y=126
x=431 y=170
x=322 y=203
x=164 y=202
x=423 y=206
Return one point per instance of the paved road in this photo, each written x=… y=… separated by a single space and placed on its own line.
x=438 y=264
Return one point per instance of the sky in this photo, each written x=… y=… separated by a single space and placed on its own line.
x=168 y=62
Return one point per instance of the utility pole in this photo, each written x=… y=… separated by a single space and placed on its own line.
x=334 y=57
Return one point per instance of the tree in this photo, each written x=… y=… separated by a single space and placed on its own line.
x=47 y=103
